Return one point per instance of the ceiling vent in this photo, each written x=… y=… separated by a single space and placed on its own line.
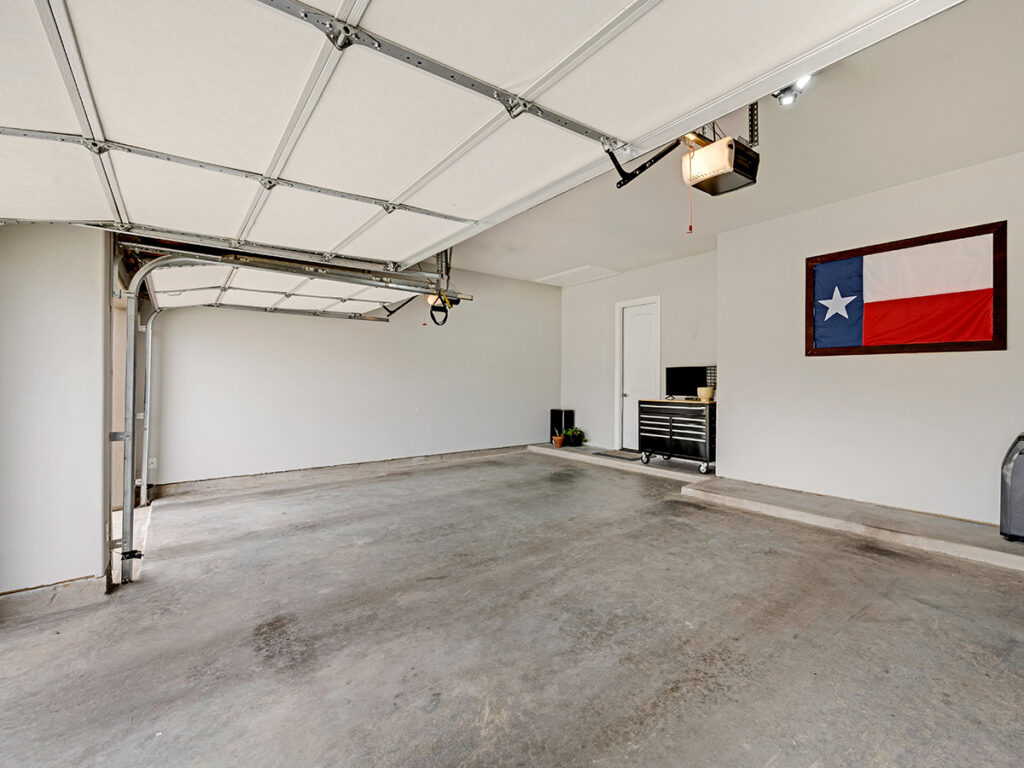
x=577 y=276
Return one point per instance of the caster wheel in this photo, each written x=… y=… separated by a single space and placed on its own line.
x=703 y=468
x=645 y=458
x=665 y=456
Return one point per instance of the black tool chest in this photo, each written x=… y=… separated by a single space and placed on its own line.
x=682 y=429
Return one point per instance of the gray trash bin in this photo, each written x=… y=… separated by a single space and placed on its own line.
x=1011 y=513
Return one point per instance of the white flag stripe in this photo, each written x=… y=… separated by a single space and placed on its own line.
x=951 y=266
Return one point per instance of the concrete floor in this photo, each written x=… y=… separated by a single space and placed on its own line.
x=518 y=611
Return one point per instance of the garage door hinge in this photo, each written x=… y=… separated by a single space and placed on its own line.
x=118 y=436
x=96 y=147
x=132 y=554
x=516 y=106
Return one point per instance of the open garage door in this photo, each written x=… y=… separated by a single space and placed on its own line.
x=377 y=130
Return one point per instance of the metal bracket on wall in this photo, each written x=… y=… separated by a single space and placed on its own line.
x=627 y=176
x=753 y=125
x=343 y=35
x=400 y=306
x=117 y=437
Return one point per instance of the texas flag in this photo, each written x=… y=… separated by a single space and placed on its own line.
x=941 y=292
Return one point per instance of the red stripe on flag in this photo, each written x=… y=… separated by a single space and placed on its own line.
x=965 y=316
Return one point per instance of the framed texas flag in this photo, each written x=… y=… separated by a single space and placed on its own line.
x=938 y=293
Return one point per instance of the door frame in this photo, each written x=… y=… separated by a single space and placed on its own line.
x=619 y=307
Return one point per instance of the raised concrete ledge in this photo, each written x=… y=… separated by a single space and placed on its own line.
x=575 y=454
x=63 y=596
x=975 y=542
x=996 y=555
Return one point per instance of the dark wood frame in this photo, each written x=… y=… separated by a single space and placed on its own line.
x=996 y=229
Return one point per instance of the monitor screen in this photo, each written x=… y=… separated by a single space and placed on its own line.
x=683 y=381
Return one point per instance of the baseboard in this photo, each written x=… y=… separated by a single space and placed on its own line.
x=325 y=474
x=63 y=596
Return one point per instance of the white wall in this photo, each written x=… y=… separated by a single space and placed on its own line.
x=920 y=431
x=53 y=429
x=687 y=291
x=244 y=392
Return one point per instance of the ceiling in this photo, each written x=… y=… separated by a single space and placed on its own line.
x=930 y=99
x=241 y=121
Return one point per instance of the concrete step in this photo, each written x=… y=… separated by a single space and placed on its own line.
x=676 y=469
x=977 y=542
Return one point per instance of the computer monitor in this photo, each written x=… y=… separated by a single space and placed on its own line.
x=682 y=381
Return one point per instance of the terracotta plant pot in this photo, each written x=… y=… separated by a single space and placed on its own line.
x=557 y=440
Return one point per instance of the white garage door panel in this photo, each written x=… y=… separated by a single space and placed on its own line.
x=401 y=234
x=328 y=6
x=183 y=278
x=249 y=298
x=187 y=298
x=357 y=307
x=518 y=158
x=300 y=219
x=45 y=180
x=380 y=124
x=259 y=280
x=32 y=93
x=319 y=287
x=181 y=197
x=685 y=53
x=307 y=303
x=506 y=44
x=387 y=295
x=215 y=81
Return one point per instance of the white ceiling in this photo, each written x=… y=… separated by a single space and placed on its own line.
x=244 y=85
x=935 y=97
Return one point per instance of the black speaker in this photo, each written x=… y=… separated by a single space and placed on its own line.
x=561 y=421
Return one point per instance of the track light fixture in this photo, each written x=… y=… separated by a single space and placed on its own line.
x=787 y=96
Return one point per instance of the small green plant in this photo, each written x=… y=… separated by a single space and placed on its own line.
x=574 y=436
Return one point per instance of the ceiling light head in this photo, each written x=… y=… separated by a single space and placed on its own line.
x=787 y=96
x=802 y=82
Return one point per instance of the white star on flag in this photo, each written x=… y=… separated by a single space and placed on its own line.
x=837 y=304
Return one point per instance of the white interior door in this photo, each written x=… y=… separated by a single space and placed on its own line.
x=641 y=374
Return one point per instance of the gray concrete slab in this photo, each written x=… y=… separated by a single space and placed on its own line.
x=518 y=611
